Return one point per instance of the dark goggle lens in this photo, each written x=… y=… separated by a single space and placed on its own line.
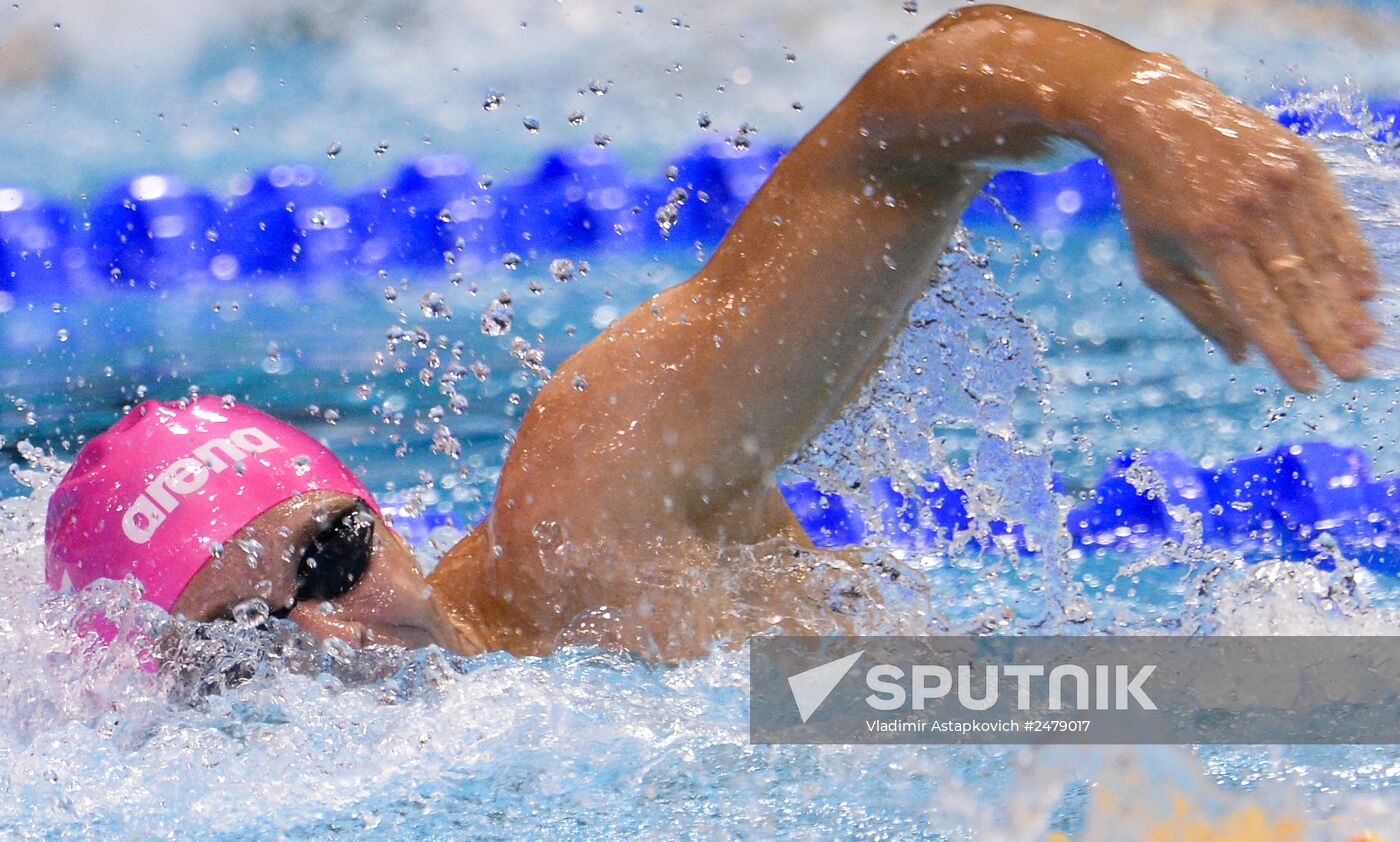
x=337 y=557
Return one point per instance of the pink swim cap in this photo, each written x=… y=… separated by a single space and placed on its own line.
x=153 y=493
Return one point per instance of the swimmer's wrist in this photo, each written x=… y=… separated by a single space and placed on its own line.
x=1123 y=110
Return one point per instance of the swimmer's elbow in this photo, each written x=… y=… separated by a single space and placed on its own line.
x=985 y=21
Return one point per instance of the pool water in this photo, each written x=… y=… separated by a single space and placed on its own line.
x=1074 y=364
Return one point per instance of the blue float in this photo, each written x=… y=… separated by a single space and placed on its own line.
x=1120 y=512
x=416 y=523
x=283 y=221
x=36 y=244
x=829 y=521
x=576 y=200
x=1080 y=191
x=1305 y=121
x=435 y=208
x=151 y=227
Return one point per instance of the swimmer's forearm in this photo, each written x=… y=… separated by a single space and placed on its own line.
x=991 y=87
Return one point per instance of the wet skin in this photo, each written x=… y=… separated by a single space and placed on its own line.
x=621 y=501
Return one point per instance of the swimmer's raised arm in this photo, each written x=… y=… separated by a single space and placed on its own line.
x=668 y=426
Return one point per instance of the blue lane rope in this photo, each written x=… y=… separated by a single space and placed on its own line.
x=1280 y=503
x=155 y=229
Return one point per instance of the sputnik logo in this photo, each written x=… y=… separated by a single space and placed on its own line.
x=811 y=687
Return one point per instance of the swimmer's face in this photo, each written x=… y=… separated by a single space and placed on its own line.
x=364 y=587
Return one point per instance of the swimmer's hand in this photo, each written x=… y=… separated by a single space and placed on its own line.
x=1238 y=223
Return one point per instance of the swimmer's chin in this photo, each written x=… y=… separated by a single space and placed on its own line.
x=447 y=637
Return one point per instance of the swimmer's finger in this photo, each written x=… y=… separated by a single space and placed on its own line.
x=1335 y=234
x=1316 y=247
x=1318 y=301
x=1263 y=315
x=1196 y=299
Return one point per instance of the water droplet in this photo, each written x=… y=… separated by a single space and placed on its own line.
x=251 y=613
x=666 y=217
x=318 y=218
x=434 y=307
x=600 y=140
x=672 y=172
x=334 y=149
x=911 y=6
x=791 y=57
x=63 y=334
x=576 y=118
x=445 y=216
x=510 y=260
x=579 y=382
x=494 y=99
x=497 y=319
x=703 y=120
x=382 y=148
x=797 y=106
x=531 y=125
x=562 y=270
x=331 y=417
x=391 y=294
x=599 y=88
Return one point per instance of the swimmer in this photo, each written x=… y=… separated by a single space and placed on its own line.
x=622 y=503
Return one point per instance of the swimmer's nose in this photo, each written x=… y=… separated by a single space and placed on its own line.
x=390 y=604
